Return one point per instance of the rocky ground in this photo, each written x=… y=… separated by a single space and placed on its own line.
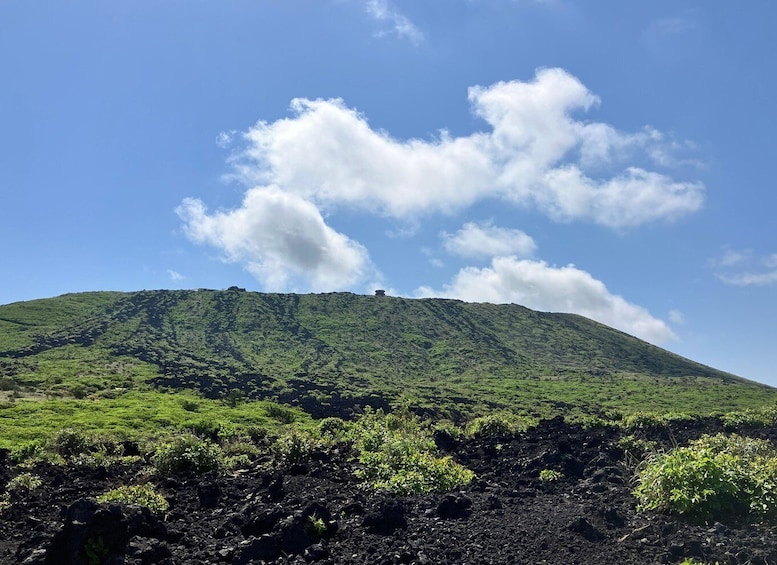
x=316 y=512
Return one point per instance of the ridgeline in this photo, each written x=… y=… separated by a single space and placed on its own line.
x=332 y=354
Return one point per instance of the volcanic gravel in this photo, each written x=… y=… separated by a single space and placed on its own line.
x=267 y=515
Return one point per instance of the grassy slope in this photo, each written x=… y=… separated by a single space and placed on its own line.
x=329 y=352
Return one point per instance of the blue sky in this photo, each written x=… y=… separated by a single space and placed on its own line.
x=608 y=158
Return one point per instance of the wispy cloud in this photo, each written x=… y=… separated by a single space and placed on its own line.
x=386 y=13
x=744 y=268
x=671 y=26
x=175 y=275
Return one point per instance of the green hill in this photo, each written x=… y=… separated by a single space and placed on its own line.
x=331 y=353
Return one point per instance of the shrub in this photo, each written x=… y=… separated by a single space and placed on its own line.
x=591 y=422
x=190 y=405
x=24 y=481
x=70 y=442
x=397 y=454
x=636 y=449
x=332 y=427
x=449 y=428
x=142 y=495
x=644 y=421
x=495 y=425
x=721 y=478
x=292 y=447
x=281 y=414
x=27 y=450
x=750 y=418
x=549 y=475
x=188 y=453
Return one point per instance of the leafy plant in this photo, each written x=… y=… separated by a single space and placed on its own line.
x=281 y=414
x=315 y=525
x=188 y=453
x=293 y=446
x=635 y=449
x=332 y=427
x=24 y=481
x=551 y=475
x=397 y=454
x=142 y=495
x=96 y=551
x=70 y=442
x=500 y=424
x=722 y=478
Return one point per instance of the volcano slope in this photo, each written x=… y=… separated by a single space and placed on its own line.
x=332 y=354
x=315 y=511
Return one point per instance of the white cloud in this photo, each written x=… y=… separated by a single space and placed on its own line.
x=671 y=26
x=224 y=139
x=676 y=317
x=537 y=285
x=745 y=268
x=535 y=154
x=750 y=278
x=401 y=26
x=487 y=240
x=281 y=239
x=175 y=275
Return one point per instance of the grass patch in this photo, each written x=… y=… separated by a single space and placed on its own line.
x=134 y=415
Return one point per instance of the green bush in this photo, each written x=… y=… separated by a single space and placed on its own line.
x=636 y=449
x=24 y=481
x=549 y=475
x=332 y=427
x=448 y=428
x=750 y=418
x=398 y=454
x=293 y=446
x=29 y=450
x=188 y=453
x=720 y=478
x=502 y=424
x=281 y=414
x=70 y=442
x=142 y=495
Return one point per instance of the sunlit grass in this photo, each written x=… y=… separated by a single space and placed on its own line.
x=133 y=415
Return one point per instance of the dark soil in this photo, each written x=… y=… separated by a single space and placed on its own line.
x=316 y=512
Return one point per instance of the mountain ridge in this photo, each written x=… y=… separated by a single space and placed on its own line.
x=335 y=352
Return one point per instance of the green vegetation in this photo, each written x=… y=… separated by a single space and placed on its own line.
x=24 y=481
x=715 y=478
x=188 y=453
x=133 y=415
x=398 y=454
x=551 y=475
x=499 y=424
x=142 y=495
x=316 y=526
x=334 y=353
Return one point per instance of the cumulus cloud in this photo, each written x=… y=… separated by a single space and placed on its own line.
x=401 y=26
x=539 y=286
x=281 y=239
x=487 y=240
x=745 y=268
x=535 y=153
